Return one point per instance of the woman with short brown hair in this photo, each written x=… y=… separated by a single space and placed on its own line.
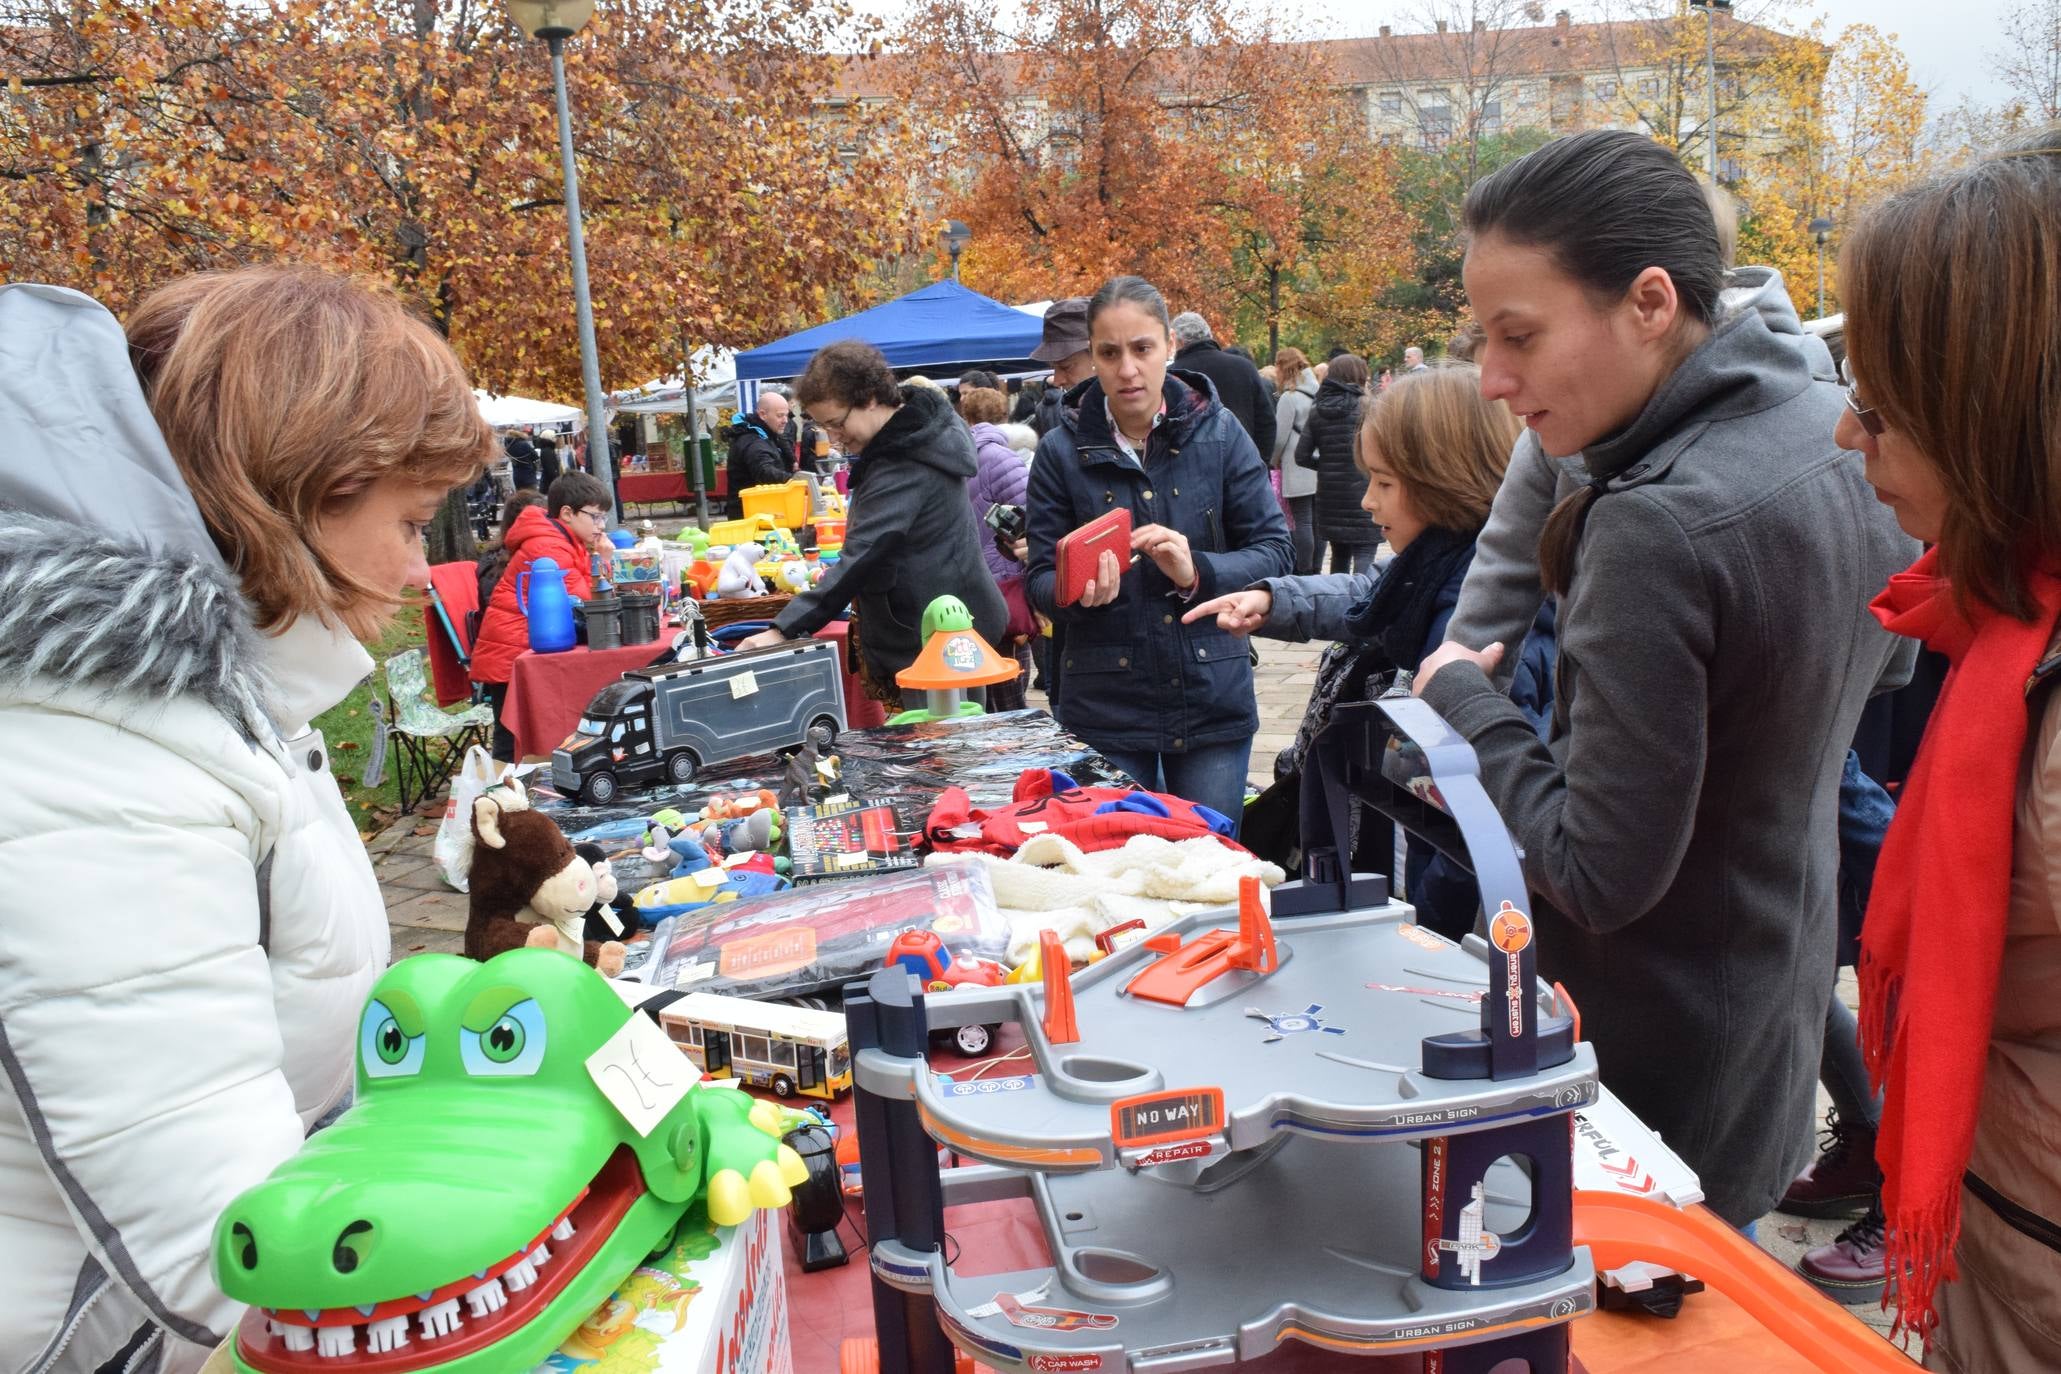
x=189 y=542
x=1952 y=334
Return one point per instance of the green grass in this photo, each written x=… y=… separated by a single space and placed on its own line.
x=347 y=728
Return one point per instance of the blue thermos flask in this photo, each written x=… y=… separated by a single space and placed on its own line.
x=549 y=607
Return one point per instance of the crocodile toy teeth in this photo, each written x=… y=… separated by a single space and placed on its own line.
x=482 y=1196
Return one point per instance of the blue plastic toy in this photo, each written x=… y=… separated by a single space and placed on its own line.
x=549 y=608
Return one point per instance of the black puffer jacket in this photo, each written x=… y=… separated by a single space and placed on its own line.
x=1240 y=390
x=1327 y=446
x=757 y=459
x=911 y=538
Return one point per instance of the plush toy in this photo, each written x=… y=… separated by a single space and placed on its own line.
x=757 y=833
x=726 y=808
x=754 y=877
x=740 y=575
x=613 y=915
x=528 y=887
x=793 y=576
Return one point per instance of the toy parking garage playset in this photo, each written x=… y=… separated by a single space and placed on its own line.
x=1287 y=1116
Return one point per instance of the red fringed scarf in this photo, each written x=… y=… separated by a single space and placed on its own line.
x=1933 y=943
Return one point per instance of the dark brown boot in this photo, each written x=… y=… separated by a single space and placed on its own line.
x=1843 y=1180
x=1851 y=1268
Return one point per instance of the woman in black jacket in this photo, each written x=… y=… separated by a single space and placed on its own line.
x=911 y=536
x=1327 y=446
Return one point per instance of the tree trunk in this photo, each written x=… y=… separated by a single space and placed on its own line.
x=1273 y=312
x=450 y=533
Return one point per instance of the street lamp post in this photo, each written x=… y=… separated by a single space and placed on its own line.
x=1710 y=10
x=1821 y=227
x=554 y=21
x=957 y=236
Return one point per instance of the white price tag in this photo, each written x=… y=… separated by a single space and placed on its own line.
x=712 y=877
x=699 y=971
x=826 y=768
x=642 y=1073
x=853 y=860
x=744 y=684
x=633 y=993
x=841 y=799
x=742 y=856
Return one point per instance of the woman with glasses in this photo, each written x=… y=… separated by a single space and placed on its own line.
x=911 y=535
x=1713 y=552
x=571 y=521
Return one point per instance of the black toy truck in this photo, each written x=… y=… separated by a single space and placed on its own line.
x=674 y=719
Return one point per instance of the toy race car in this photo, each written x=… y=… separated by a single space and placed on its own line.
x=922 y=953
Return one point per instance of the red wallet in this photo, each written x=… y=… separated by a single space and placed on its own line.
x=1080 y=551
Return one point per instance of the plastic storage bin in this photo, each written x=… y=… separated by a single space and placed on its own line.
x=787 y=503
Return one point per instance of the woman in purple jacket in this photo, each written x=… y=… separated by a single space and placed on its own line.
x=1001 y=481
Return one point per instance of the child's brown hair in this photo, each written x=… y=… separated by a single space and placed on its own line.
x=1444 y=443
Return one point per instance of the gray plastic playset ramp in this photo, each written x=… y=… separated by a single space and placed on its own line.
x=1323 y=1124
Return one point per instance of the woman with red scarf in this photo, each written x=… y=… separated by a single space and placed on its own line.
x=1954 y=331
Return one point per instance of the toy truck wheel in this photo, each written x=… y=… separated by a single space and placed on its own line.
x=828 y=725
x=599 y=789
x=783 y=1086
x=973 y=1041
x=682 y=766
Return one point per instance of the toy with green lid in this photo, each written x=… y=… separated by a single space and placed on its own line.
x=955 y=660
x=521 y=1140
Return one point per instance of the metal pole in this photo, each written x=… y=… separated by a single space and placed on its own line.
x=1710 y=82
x=590 y=366
x=955 y=264
x=1821 y=276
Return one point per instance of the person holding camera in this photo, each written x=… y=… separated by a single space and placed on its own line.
x=997 y=491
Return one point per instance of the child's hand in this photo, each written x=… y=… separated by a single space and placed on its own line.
x=1240 y=612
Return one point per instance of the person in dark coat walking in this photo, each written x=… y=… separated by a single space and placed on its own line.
x=911 y=535
x=1327 y=446
x=1170 y=704
x=1238 y=384
x=1714 y=554
x=759 y=455
x=522 y=461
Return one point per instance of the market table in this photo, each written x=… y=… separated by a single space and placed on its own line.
x=547 y=692
x=665 y=485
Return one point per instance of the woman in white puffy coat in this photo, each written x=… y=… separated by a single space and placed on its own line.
x=197 y=522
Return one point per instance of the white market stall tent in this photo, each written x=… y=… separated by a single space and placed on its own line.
x=518 y=412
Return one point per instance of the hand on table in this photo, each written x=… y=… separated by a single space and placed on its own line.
x=1240 y=612
x=1169 y=549
x=1454 y=652
x=764 y=639
x=1109 y=576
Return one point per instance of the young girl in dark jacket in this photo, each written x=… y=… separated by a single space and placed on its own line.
x=1432 y=453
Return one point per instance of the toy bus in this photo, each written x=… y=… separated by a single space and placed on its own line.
x=788 y=1050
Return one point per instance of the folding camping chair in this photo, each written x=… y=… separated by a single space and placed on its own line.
x=413 y=726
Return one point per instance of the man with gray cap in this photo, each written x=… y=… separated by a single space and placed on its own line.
x=1236 y=380
x=1065 y=346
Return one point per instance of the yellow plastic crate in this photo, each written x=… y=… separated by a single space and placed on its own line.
x=748 y=530
x=787 y=503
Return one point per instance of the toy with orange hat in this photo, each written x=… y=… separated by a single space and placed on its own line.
x=955 y=661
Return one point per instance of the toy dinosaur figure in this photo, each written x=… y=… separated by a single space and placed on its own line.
x=482 y=1196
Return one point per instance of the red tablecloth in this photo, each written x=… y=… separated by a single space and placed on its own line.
x=547 y=692
x=647 y=488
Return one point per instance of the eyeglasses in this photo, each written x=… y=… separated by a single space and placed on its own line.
x=1870 y=421
x=593 y=513
x=837 y=426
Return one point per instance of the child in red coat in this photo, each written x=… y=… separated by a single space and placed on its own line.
x=572 y=520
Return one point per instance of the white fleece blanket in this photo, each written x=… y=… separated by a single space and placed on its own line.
x=1052 y=884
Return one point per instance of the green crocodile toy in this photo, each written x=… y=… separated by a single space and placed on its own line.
x=483 y=1195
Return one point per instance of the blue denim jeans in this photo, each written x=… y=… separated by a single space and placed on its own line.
x=1864 y=815
x=1212 y=775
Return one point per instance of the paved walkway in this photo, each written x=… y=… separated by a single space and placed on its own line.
x=426 y=915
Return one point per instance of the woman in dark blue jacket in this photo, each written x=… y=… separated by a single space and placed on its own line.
x=1432 y=453
x=1171 y=704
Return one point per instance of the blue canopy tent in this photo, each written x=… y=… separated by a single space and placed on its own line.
x=943 y=326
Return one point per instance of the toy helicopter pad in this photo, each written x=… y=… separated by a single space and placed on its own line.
x=1327 y=1044
x=1142 y=1280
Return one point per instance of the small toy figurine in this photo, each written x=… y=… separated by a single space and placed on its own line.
x=527 y=887
x=740 y=575
x=568 y=1154
x=793 y=576
x=809 y=771
x=613 y=915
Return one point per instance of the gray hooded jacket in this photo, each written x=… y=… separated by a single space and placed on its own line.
x=1680 y=829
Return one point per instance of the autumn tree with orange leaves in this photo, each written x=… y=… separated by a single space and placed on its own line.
x=414 y=141
x=1079 y=139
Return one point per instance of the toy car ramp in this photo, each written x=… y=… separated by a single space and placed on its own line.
x=1147 y=1276
x=1620 y=1229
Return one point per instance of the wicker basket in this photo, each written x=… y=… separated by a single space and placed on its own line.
x=720 y=613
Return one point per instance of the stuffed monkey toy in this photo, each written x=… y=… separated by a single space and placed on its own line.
x=528 y=887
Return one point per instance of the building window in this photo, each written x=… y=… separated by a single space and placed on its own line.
x=1606 y=90
x=1730 y=169
x=1649 y=85
x=1492 y=118
x=1391 y=102
x=1566 y=99
x=1435 y=123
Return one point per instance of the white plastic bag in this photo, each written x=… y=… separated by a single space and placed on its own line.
x=454 y=832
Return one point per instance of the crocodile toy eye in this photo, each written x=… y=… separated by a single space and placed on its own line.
x=512 y=1046
x=384 y=1049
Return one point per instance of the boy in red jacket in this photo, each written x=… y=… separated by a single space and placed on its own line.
x=577 y=520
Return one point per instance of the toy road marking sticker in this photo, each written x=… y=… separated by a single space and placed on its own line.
x=1510 y=931
x=1167 y=1118
x=1421 y=937
x=1027 y=1310
x=988 y=1087
x=642 y=1073
x=1053 y=1364
x=1167 y=1154
x=743 y=685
